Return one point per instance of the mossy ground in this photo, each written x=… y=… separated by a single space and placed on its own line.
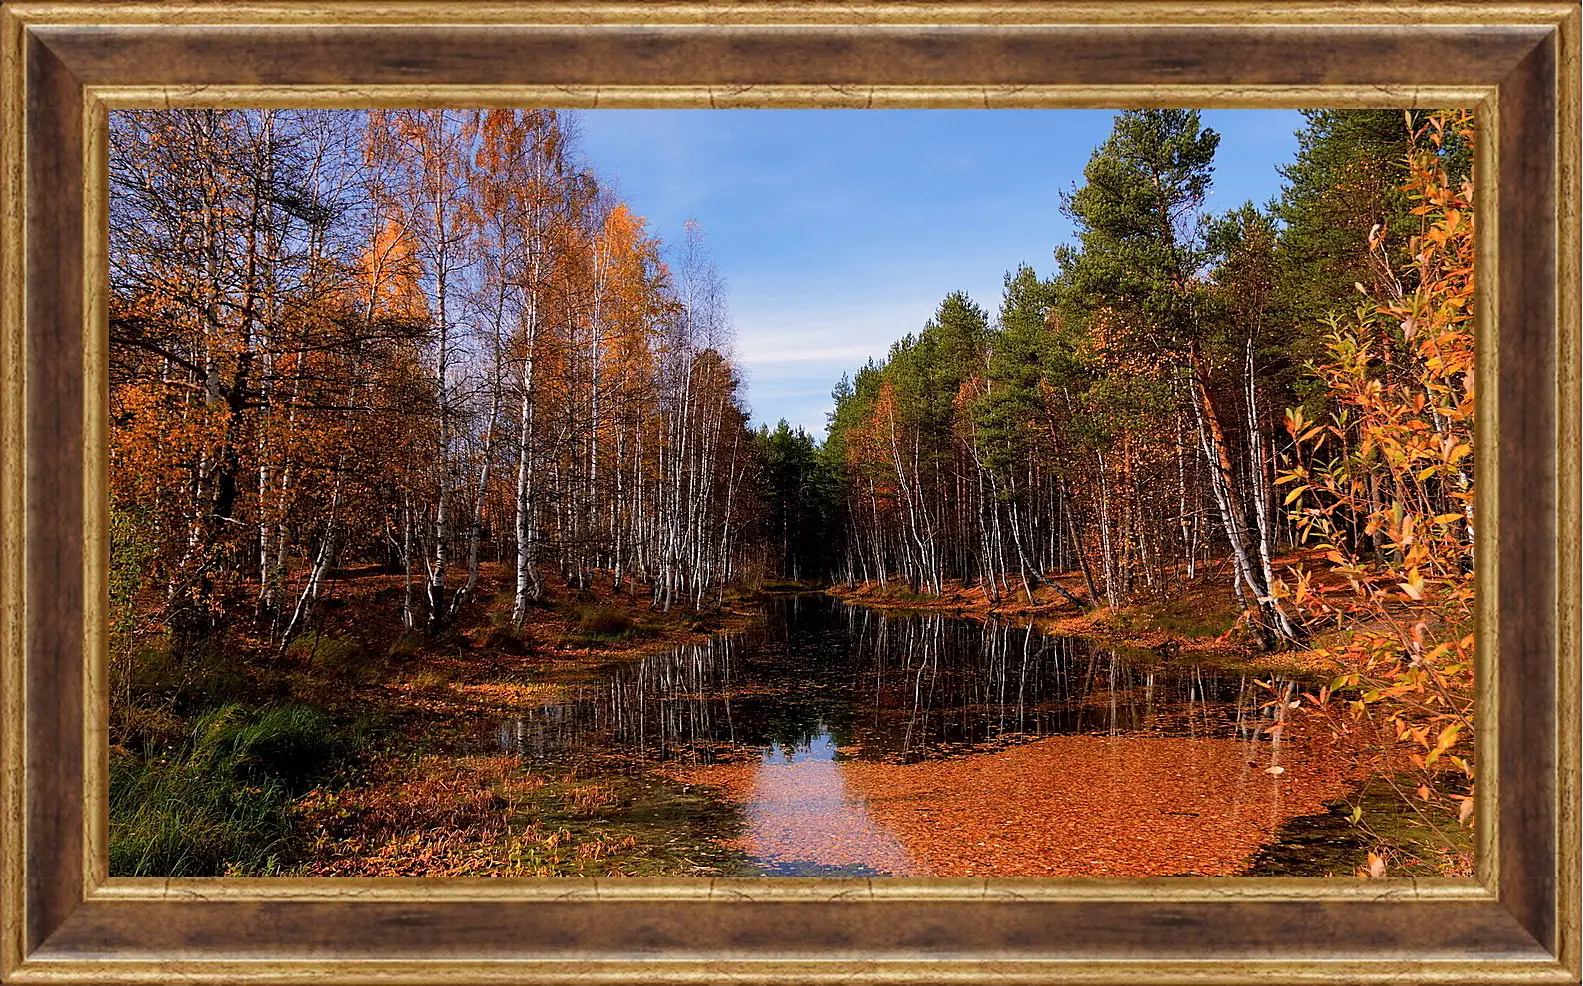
x=656 y=826
x=1378 y=819
x=404 y=790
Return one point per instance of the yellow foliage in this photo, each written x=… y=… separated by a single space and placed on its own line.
x=1384 y=484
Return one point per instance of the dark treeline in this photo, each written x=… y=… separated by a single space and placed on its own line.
x=1123 y=422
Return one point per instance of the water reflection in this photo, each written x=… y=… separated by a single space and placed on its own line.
x=820 y=749
x=802 y=820
x=825 y=681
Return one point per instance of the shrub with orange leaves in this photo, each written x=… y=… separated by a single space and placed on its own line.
x=1382 y=484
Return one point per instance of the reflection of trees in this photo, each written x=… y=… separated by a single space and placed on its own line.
x=963 y=681
x=894 y=685
x=654 y=708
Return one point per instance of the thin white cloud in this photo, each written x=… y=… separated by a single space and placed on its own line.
x=766 y=357
x=846 y=335
x=793 y=355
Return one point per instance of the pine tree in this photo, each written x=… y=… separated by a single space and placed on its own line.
x=1142 y=258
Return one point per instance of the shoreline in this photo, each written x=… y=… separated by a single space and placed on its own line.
x=1191 y=627
x=586 y=816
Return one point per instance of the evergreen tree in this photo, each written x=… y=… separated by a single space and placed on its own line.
x=1142 y=263
x=1345 y=184
x=1139 y=219
x=793 y=490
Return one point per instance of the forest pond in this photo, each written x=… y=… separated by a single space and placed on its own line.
x=859 y=742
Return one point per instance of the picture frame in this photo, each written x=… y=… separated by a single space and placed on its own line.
x=65 y=65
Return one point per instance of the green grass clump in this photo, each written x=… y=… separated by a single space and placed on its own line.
x=603 y=623
x=219 y=803
x=328 y=654
x=908 y=595
x=1190 y=621
x=430 y=678
x=289 y=742
x=149 y=672
x=172 y=818
x=784 y=585
x=406 y=645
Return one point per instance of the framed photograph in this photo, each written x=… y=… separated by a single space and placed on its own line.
x=789 y=493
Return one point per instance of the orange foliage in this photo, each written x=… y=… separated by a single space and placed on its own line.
x=390 y=274
x=1383 y=484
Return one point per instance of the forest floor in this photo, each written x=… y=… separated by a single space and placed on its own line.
x=418 y=782
x=445 y=799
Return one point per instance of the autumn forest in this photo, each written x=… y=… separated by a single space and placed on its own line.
x=444 y=540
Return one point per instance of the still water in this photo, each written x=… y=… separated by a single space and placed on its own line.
x=794 y=714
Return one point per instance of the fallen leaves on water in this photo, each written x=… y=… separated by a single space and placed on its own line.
x=1093 y=806
x=800 y=812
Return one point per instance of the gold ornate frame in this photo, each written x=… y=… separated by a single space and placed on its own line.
x=65 y=64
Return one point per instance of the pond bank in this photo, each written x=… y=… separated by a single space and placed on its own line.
x=1196 y=620
x=366 y=748
x=446 y=794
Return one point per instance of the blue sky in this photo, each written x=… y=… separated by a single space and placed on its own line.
x=839 y=231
